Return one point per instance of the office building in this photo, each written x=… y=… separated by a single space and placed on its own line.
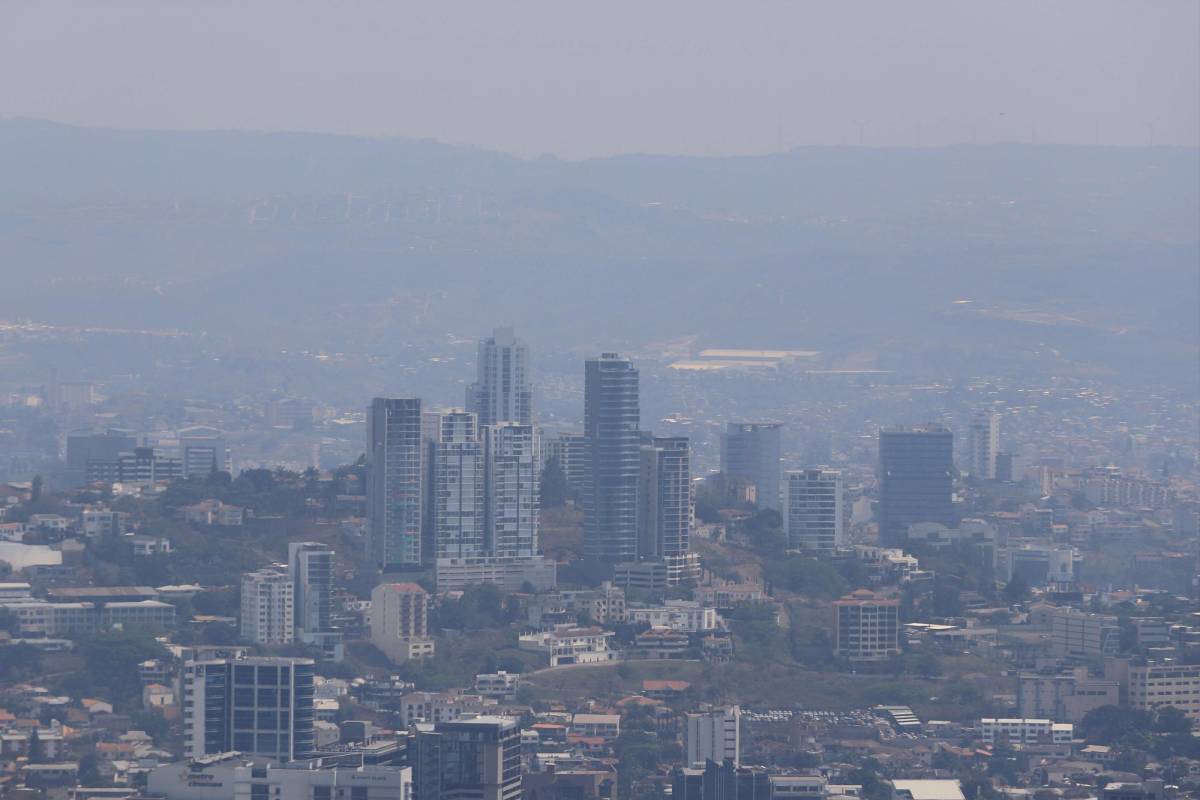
x=256 y=706
x=725 y=781
x=501 y=392
x=400 y=621
x=310 y=567
x=916 y=480
x=984 y=445
x=1066 y=696
x=665 y=503
x=714 y=736
x=468 y=759
x=751 y=453
x=234 y=776
x=36 y=617
x=611 y=419
x=513 y=486
x=510 y=573
x=813 y=514
x=1154 y=686
x=1076 y=634
x=201 y=450
x=395 y=481
x=140 y=465
x=1025 y=731
x=866 y=627
x=88 y=449
x=459 y=497
x=268 y=607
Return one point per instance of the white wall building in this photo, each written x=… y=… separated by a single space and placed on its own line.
x=715 y=736
x=813 y=511
x=498 y=685
x=1025 y=731
x=267 y=607
x=569 y=645
x=459 y=492
x=687 y=616
x=513 y=487
x=1156 y=685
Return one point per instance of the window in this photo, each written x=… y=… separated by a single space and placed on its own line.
x=268 y=697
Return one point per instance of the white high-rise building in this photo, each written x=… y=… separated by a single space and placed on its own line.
x=513 y=489
x=984 y=444
x=813 y=514
x=459 y=496
x=501 y=392
x=310 y=566
x=267 y=607
x=714 y=736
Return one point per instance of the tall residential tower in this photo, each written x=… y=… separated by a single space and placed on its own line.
x=813 y=513
x=611 y=419
x=394 y=489
x=501 y=392
x=984 y=445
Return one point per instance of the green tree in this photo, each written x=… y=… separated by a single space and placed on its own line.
x=555 y=491
x=806 y=576
x=1016 y=590
x=35 y=495
x=1171 y=720
x=89 y=771
x=1110 y=724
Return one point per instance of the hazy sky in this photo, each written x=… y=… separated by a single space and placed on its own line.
x=593 y=78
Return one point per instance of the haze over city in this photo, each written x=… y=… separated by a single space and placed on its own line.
x=544 y=401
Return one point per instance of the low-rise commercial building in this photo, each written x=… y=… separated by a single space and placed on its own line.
x=1025 y=731
x=234 y=776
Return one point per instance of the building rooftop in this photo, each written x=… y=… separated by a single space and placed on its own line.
x=101 y=593
x=930 y=789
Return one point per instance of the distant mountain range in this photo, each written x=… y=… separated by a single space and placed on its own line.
x=341 y=242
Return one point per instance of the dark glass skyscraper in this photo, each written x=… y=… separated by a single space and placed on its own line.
x=477 y=758
x=395 y=482
x=610 y=419
x=916 y=480
x=750 y=452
